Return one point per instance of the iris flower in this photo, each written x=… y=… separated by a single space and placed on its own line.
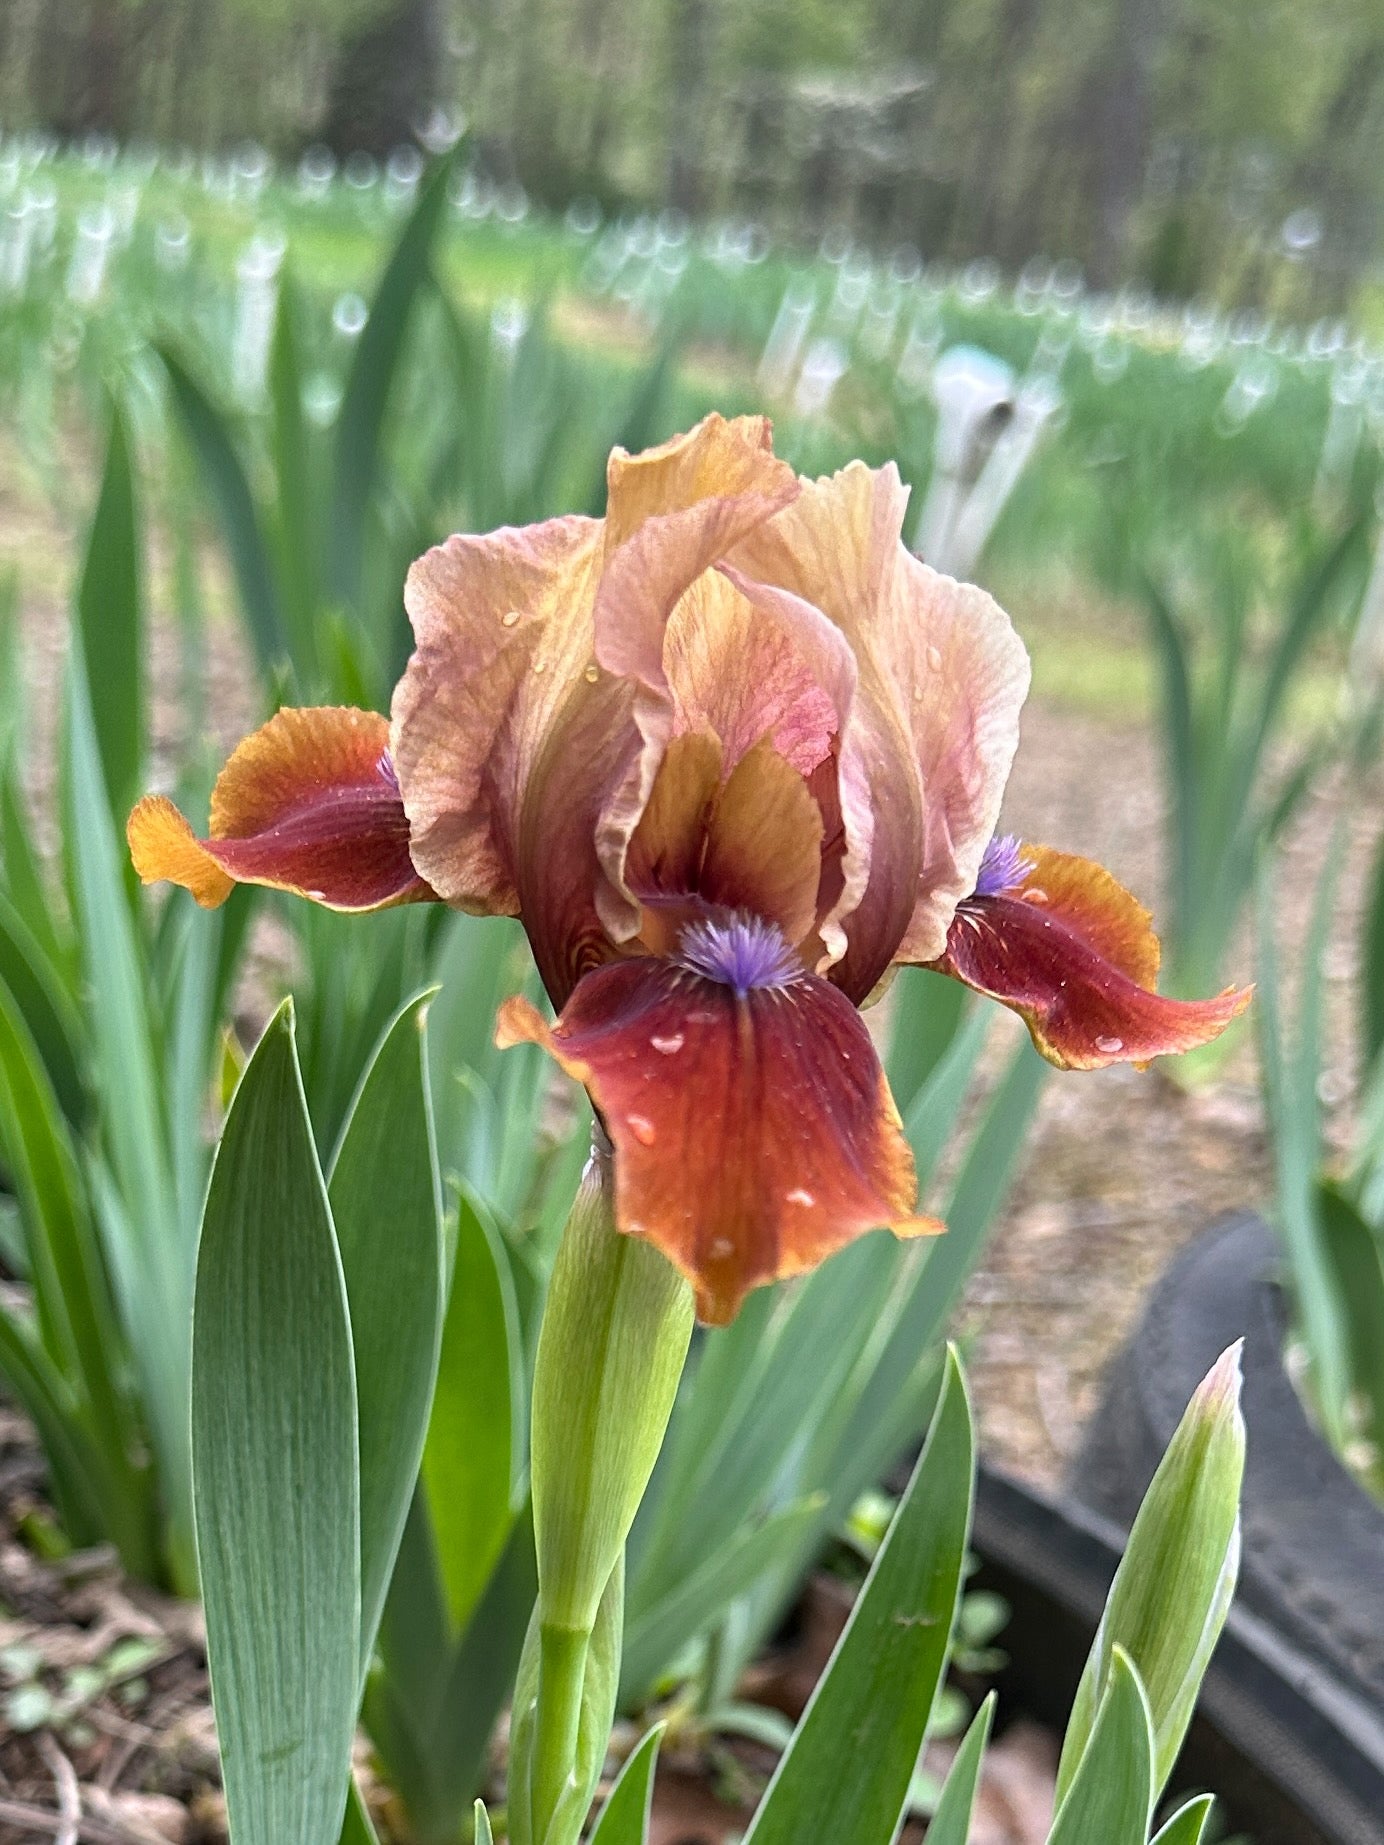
x=730 y=753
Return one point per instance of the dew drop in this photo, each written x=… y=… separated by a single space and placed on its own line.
x=540 y=666
x=721 y=1246
x=799 y=1196
x=934 y=658
x=1036 y=894
x=592 y=673
x=510 y=618
x=642 y=1129
x=1111 y=1047
x=669 y=1046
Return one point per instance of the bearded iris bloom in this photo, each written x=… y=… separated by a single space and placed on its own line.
x=730 y=754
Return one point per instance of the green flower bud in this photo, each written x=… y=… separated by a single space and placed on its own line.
x=1174 y=1586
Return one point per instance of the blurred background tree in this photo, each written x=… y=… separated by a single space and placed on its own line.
x=1178 y=143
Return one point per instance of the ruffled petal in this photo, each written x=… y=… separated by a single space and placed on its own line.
x=1073 y=953
x=749 y=670
x=673 y=513
x=507 y=737
x=754 y=1132
x=934 y=724
x=309 y=804
x=502 y=636
x=720 y=462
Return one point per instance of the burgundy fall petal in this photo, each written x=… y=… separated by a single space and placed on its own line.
x=308 y=804
x=754 y=1131
x=1069 y=949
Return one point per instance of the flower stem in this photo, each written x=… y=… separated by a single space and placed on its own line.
x=561 y=1680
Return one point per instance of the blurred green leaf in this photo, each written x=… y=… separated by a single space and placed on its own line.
x=75 y=1315
x=1188 y=1825
x=298 y=530
x=1173 y=1588
x=43 y=997
x=357 y=1827
x=951 y=1822
x=1291 y=1065
x=150 y=1254
x=696 y=1601
x=1372 y=966
x=374 y=364
x=387 y=1209
x=624 y=1819
x=1354 y=1250
x=928 y=1010
x=209 y=436
x=25 y=885
x=277 y=1465
x=433 y=1704
x=468 y=1458
x=110 y=613
x=1110 y=1795
x=930 y=1118
x=846 y=1773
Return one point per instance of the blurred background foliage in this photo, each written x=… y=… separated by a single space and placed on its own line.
x=1189 y=145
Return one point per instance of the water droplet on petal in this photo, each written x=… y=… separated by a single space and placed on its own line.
x=1110 y=1047
x=668 y=1046
x=642 y=1129
x=934 y=658
x=721 y=1246
x=592 y=673
x=799 y=1196
x=540 y=666
x=1035 y=894
x=510 y=618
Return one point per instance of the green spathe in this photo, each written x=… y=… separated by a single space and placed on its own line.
x=615 y=1335
x=616 y=1328
x=1173 y=1589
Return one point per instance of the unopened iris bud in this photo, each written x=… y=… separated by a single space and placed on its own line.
x=1173 y=1589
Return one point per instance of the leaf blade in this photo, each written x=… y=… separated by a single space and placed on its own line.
x=276 y=1518
x=385 y=1203
x=879 y=1686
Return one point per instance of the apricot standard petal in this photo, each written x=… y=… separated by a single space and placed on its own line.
x=935 y=721
x=1071 y=951
x=309 y=804
x=754 y=1132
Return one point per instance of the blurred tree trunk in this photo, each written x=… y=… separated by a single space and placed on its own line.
x=80 y=67
x=689 y=102
x=1339 y=174
x=1121 y=120
x=386 y=77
